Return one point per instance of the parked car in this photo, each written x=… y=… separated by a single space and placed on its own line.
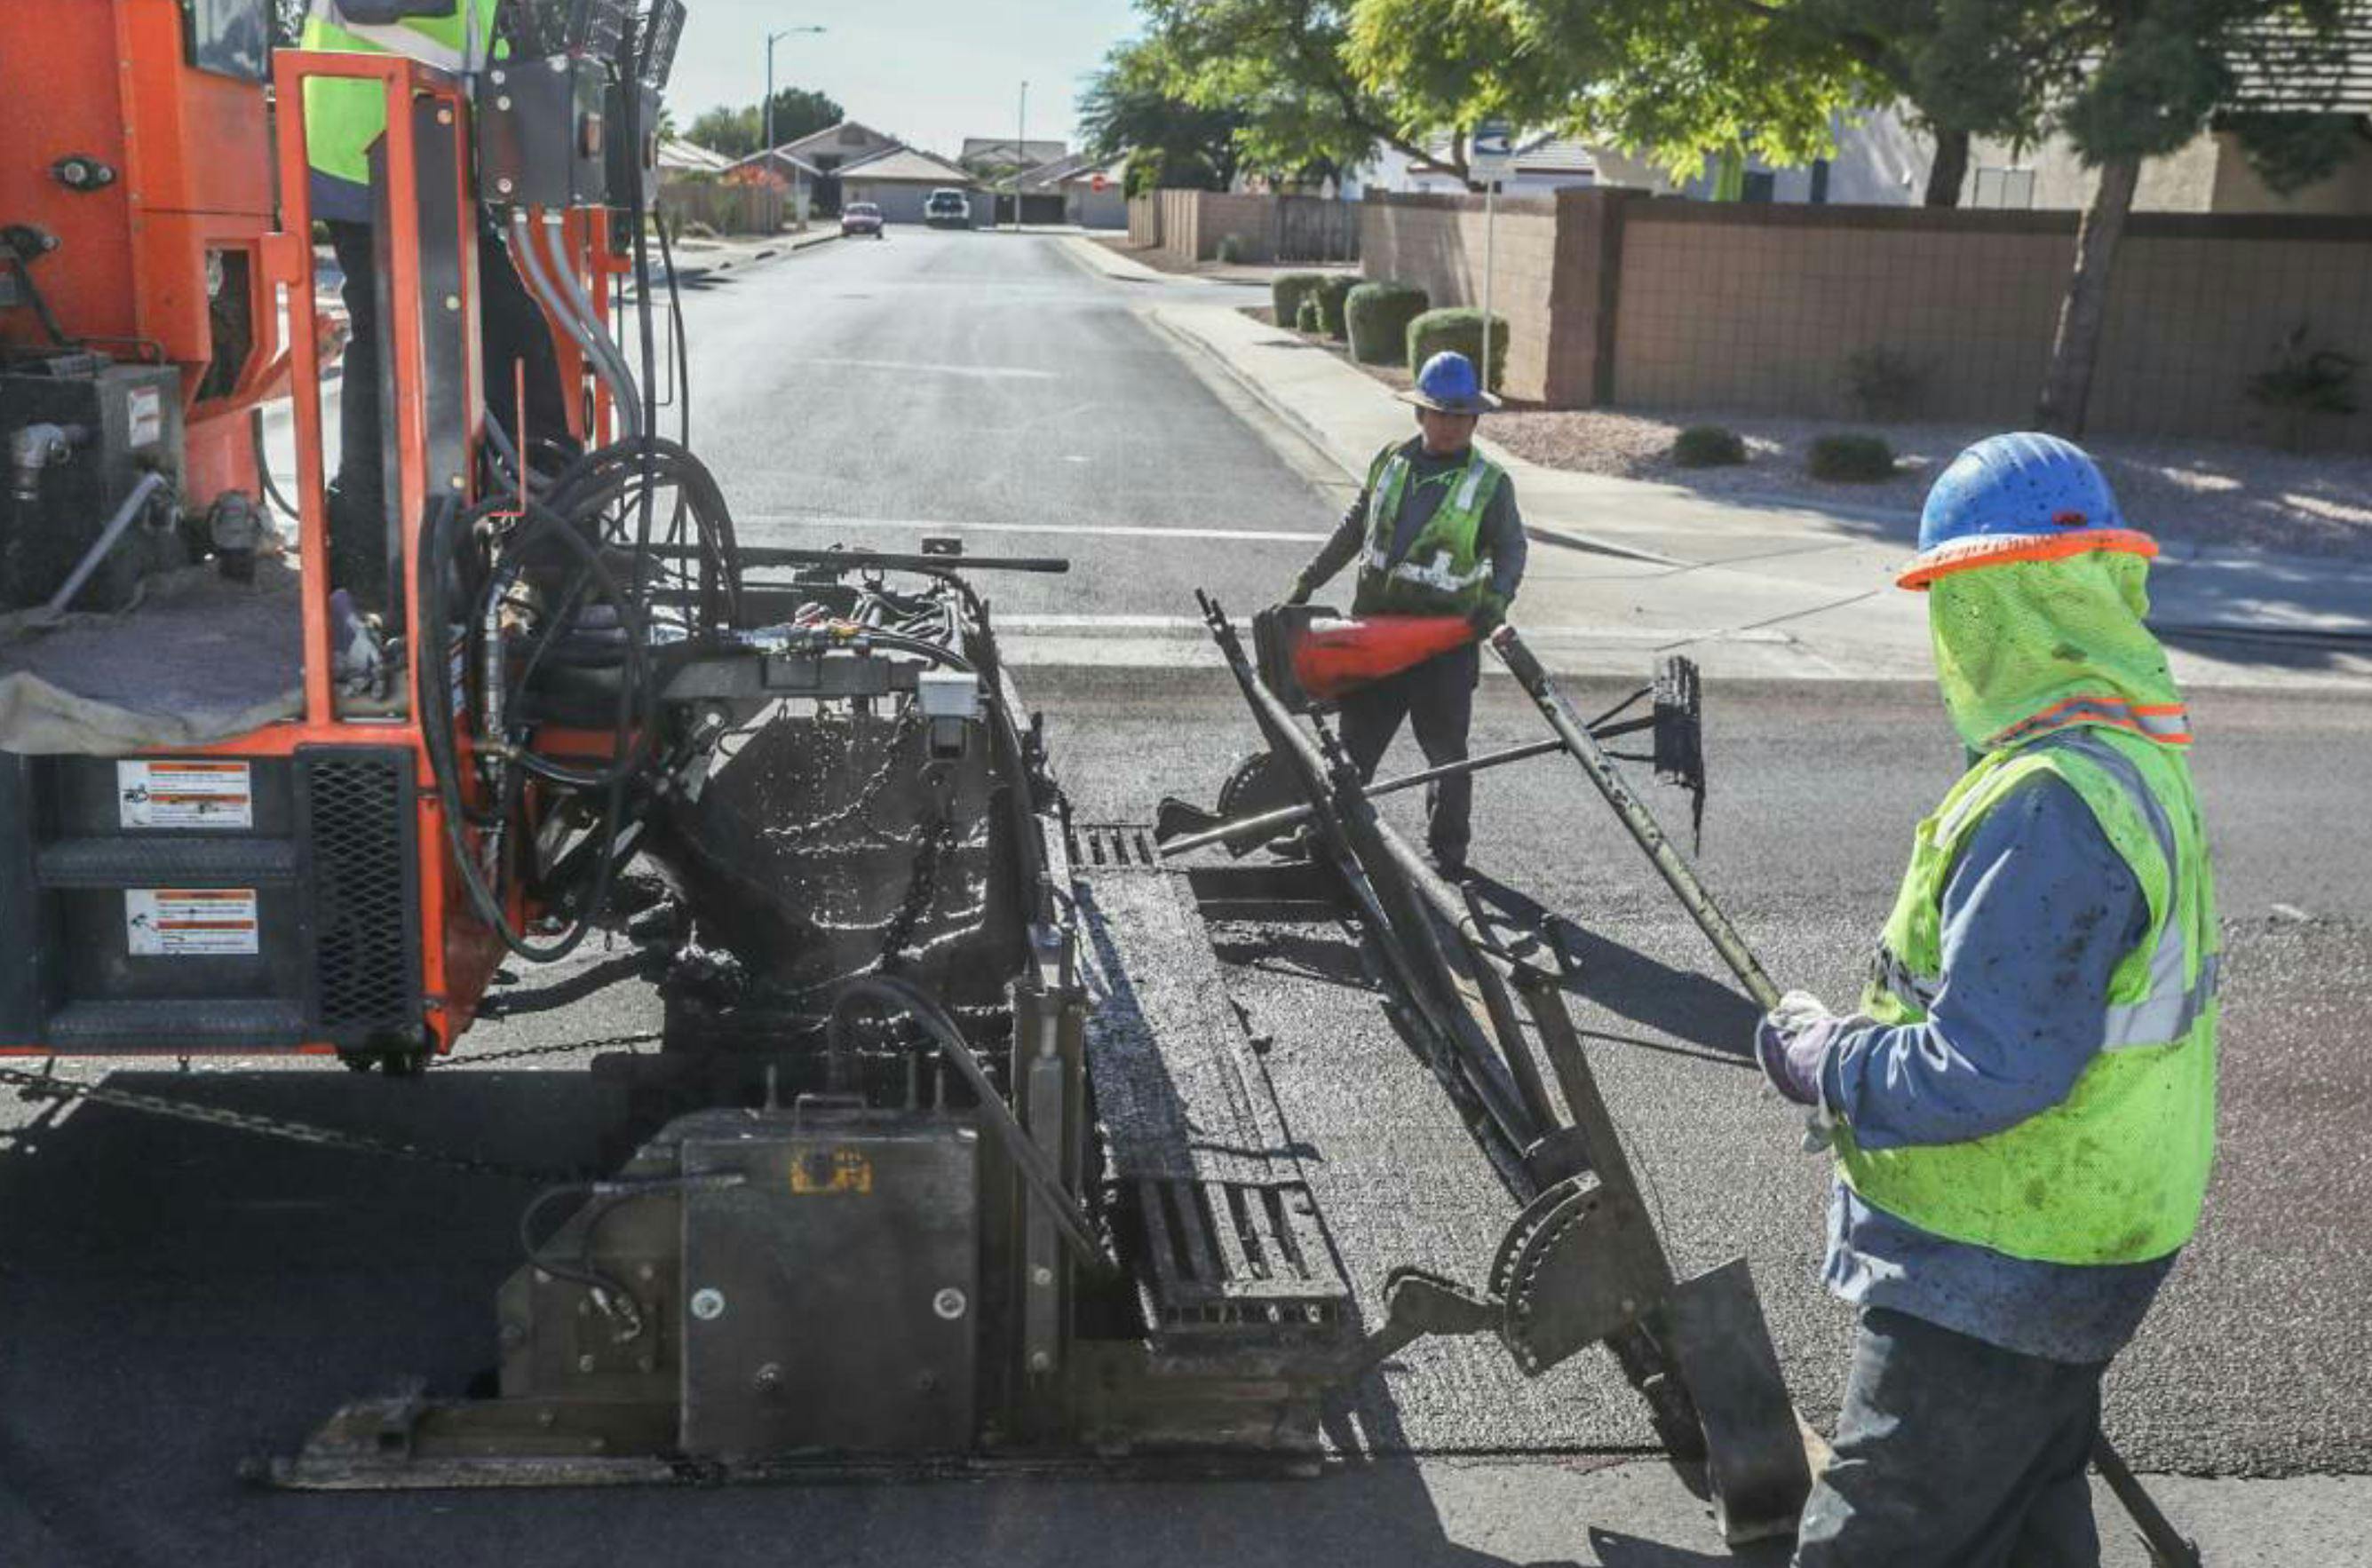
x=948 y=208
x=861 y=217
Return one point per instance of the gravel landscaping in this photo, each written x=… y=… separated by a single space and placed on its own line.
x=2203 y=491
x=2211 y=492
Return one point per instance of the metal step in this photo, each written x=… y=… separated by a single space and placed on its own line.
x=168 y=1026
x=167 y=863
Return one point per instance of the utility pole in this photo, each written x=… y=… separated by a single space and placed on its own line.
x=766 y=114
x=1020 y=135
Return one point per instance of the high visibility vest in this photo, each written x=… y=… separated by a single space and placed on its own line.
x=2116 y=1172
x=344 y=118
x=1444 y=571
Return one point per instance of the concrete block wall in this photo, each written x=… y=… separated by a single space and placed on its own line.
x=1615 y=298
x=1437 y=243
x=1758 y=308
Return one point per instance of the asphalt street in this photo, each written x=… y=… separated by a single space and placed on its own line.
x=174 y=1298
x=989 y=387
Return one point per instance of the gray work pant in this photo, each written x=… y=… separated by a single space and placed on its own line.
x=1953 y=1453
x=1437 y=699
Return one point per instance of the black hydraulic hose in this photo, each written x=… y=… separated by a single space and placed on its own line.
x=433 y=701
x=1037 y=1172
x=263 y=469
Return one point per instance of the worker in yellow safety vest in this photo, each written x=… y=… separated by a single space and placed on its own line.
x=1436 y=532
x=345 y=126
x=2023 y=1112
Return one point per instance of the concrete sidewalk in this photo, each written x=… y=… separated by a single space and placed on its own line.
x=1774 y=590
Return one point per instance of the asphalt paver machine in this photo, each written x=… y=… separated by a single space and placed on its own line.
x=956 y=1154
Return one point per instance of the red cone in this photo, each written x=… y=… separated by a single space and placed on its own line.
x=1332 y=657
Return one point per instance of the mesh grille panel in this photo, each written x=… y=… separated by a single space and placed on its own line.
x=358 y=821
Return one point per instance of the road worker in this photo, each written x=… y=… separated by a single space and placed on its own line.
x=2022 y=1113
x=345 y=124
x=1436 y=532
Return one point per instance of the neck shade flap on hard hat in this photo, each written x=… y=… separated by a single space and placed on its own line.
x=2024 y=647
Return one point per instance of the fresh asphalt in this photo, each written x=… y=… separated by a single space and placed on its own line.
x=173 y=1298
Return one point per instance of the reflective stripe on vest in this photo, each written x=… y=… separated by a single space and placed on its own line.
x=2170 y=724
x=2117 y=1171
x=2173 y=1003
x=1428 y=572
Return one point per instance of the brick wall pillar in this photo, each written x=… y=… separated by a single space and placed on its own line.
x=1585 y=294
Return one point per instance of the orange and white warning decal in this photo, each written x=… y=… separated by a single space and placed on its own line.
x=190 y=794
x=190 y=923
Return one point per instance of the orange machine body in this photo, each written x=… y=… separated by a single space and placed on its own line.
x=207 y=185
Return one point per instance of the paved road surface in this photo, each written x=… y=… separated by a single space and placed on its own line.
x=172 y=1298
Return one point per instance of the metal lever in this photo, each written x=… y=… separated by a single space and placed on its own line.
x=1416 y=1304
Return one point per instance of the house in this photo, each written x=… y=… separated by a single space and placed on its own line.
x=796 y=179
x=1543 y=163
x=823 y=154
x=1081 y=189
x=899 y=180
x=680 y=156
x=1881 y=160
x=995 y=157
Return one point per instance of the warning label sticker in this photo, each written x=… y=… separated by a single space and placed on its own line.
x=185 y=795
x=190 y=923
x=146 y=408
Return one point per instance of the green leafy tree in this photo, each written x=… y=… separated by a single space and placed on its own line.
x=1133 y=105
x=1284 y=67
x=736 y=132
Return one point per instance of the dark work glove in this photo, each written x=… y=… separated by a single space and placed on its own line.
x=1487 y=617
x=1300 y=593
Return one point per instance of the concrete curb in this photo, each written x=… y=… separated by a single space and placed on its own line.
x=1572 y=539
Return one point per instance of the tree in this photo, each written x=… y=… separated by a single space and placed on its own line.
x=2126 y=80
x=736 y=132
x=1131 y=105
x=1284 y=67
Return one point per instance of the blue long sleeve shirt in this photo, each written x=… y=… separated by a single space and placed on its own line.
x=2036 y=914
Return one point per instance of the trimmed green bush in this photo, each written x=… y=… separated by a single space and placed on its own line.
x=1330 y=293
x=1708 y=447
x=1377 y=315
x=1311 y=319
x=1287 y=293
x=1857 y=458
x=1458 y=330
x=1231 y=247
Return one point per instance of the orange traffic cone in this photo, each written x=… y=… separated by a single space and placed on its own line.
x=1333 y=657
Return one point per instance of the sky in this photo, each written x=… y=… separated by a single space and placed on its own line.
x=927 y=72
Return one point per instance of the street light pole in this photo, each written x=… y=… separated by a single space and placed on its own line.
x=1020 y=135
x=766 y=114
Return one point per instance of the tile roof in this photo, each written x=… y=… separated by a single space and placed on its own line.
x=909 y=164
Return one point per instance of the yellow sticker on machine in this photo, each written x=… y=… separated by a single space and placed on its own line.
x=823 y=1172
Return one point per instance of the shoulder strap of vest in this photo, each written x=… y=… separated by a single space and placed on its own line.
x=408 y=42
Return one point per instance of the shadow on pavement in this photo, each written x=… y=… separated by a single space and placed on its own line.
x=1626 y=982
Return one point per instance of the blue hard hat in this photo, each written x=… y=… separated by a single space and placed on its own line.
x=1447 y=384
x=2023 y=496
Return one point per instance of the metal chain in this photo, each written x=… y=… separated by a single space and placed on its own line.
x=938 y=834
x=36 y=1085
x=557 y=1048
x=860 y=803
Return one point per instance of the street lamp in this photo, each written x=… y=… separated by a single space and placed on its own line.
x=767 y=114
x=1020 y=158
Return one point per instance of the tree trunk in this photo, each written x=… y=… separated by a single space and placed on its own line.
x=1950 y=169
x=2067 y=384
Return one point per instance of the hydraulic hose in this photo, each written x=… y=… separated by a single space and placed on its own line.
x=535 y=270
x=1038 y=1173
x=624 y=391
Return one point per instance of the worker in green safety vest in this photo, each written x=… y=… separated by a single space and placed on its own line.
x=1436 y=532
x=345 y=126
x=2023 y=1112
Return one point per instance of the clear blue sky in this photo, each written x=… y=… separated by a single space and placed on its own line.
x=929 y=72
